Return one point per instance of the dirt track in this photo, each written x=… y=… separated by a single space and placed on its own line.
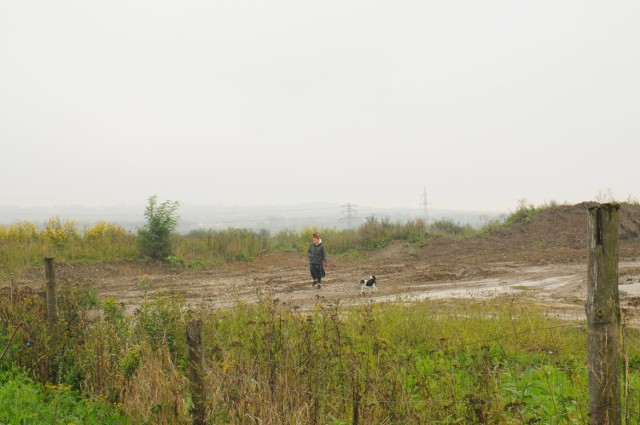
x=285 y=277
x=543 y=259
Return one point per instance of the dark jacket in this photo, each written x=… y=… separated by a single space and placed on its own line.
x=316 y=253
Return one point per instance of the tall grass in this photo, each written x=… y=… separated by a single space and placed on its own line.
x=498 y=361
x=24 y=245
x=375 y=233
x=215 y=246
x=523 y=212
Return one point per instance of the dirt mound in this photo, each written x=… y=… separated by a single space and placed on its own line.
x=555 y=235
x=629 y=222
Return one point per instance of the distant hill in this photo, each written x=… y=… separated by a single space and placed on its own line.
x=273 y=218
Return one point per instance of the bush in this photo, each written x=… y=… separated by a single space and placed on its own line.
x=155 y=236
x=522 y=213
x=449 y=227
x=22 y=401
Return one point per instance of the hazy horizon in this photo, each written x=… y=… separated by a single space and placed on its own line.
x=480 y=104
x=269 y=217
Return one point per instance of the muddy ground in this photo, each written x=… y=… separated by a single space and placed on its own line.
x=543 y=259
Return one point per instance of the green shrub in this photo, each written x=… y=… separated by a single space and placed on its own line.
x=155 y=237
x=449 y=227
x=523 y=212
x=214 y=246
x=160 y=323
x=130 y=362
x=24 y=402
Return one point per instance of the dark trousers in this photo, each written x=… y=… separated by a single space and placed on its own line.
x=317 y=272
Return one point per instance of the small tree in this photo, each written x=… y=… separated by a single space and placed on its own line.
x=155 y=235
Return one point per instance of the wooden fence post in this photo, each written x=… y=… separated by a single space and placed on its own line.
x=196 y=374
x=52 y=297
x=603 y=316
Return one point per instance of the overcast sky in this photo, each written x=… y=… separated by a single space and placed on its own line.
x=481 y=103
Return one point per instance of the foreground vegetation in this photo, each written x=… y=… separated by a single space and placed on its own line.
x=479 y=362
x=24 y=402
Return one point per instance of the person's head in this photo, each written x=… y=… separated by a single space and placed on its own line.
x=316 y=238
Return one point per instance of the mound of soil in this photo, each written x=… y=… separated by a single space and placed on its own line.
x=556 y=235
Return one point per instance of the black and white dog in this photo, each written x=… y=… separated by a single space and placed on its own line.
x=368 y=283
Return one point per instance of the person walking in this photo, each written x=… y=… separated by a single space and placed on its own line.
x=317 y=260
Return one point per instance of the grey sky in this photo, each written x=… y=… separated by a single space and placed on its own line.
x=280 y=102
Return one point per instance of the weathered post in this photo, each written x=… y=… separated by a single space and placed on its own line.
x=196 y=360
x=52 y=301
x=603 y=316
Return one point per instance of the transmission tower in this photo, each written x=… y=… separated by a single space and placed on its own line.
x=424 y=204
x=350 y=210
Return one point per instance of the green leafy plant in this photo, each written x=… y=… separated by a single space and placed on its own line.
x=155 y=237
x=23 y=401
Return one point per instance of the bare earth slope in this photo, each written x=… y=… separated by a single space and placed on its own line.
x=543 y=259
